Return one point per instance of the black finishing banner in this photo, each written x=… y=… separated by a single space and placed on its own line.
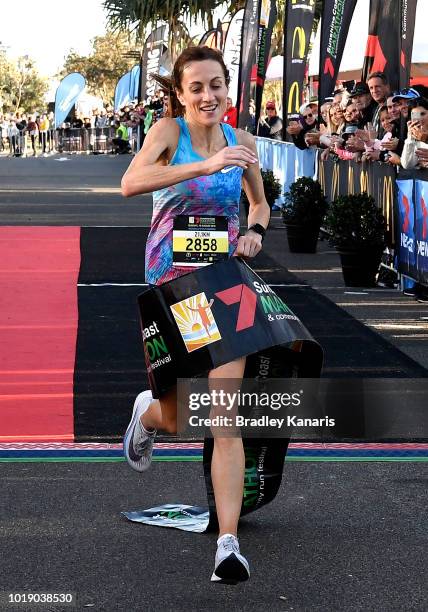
x=250 y=31
x=299 y=18
x=335 y=21
x=268 y=16
x=390 y=40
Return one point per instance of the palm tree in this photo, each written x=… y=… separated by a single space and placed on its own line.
x=138 y=15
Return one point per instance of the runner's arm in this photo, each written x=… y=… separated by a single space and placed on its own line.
x=149 y=171
x=259 y=212
x=252 y=183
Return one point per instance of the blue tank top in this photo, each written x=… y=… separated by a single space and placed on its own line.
x=215 y=195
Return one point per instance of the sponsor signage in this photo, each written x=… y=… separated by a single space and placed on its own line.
x=67 y=94
x=390 y=40
x=335 y=21
x=299 y=17
x=219 y=313
x=232 y=53
x=153 y=56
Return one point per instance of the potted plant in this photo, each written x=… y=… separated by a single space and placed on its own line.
x=272 y=188
x=304 y=209
x=357 y=229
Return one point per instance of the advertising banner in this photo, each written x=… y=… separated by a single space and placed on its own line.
x=232 y=53
x=299 y=18
x=135 y=82
x=390 y=40
x=208 y=39
x=122 y=91
x=250 y=32
x=335 y=21
x=155 y=48
x=268 y=16
x=67 y=94
x=348 y=177
x=421 y=230
x=406 y=239
x=408 y=18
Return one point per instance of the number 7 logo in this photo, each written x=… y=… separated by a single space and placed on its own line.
x=247 y=304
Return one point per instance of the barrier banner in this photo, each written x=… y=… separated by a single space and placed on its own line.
x=406 y=228
x=232 y=52
x=155 y=47
x=421 y=230
x=390 y=40
x=66 y=95
x=299 y=17
x=205 y=319
x=335 y=21
x=349 y=177
x=268 y=16
x=250 y=31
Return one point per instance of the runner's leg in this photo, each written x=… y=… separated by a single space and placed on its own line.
x=228 y=461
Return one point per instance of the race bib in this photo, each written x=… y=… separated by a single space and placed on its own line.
x=199 y=241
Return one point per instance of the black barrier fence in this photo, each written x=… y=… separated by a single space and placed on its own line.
x=406 y=214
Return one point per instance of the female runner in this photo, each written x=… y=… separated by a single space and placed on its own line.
x=196 y=165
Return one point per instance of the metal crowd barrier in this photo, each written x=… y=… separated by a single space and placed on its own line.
x=83 y=140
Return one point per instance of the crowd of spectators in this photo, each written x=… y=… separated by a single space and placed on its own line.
x=34 y=133
x=363 y=121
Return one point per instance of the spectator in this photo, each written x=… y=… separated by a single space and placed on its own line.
x=231 y=115
x=417 y=136
x=379 y=89
x=43 y=132
x=101 y=121
x=121 y=141
x=324 y=112
x=12 y=135
x=33 y=130
x=351 y=113
x=364 y=102
x=271 y=125
x=3 y=133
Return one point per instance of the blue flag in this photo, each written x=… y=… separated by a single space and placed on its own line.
x=135 y=81
x=122 y=95
x=66 y=95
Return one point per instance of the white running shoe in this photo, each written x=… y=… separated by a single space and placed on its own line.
x=230 y=566
x=138 y=442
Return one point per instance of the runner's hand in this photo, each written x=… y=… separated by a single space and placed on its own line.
x=238 y=155
x=248 y=245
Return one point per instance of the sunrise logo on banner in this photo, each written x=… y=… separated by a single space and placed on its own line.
x=299 y=18
x=406 y=228
x=155 y=49
x=67 y=94
x=250 y=32
x=335 y=21
x=390 y=40
x=268 y=16
x=196 y=321
x=232 y=52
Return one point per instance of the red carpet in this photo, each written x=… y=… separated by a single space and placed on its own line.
x=39 y=268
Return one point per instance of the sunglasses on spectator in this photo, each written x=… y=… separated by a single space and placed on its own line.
x=308 y=115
